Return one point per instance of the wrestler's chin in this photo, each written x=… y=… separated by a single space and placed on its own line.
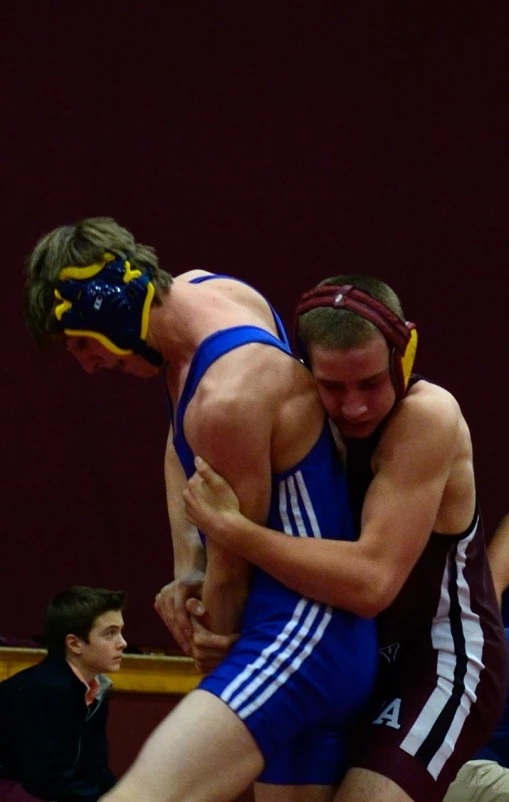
x=139 y=368
x=356 y=431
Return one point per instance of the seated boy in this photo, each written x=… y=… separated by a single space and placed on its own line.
x=53 y=742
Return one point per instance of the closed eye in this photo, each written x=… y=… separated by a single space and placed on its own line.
x=329 y=385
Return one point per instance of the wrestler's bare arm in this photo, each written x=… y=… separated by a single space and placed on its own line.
x=232 y=426
x=188 y=552
x=413 y=468
x=423 y=481
x=498 y=553
x=189 y=558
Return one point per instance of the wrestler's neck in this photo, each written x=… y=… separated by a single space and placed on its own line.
x=188 y=314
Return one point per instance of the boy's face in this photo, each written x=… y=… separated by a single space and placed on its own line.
x=105 y=647
x=93 y=356
x=355 y=385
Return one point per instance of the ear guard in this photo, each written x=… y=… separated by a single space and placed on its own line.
x=401 y=335
x=108 y=301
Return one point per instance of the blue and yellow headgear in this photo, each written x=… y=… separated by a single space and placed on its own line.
x=108 y=301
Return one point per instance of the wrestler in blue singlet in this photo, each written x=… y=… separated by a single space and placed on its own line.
x=301 y=671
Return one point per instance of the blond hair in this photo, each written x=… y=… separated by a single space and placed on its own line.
x=81 y=244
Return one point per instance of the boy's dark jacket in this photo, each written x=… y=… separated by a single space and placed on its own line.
x=50 y=741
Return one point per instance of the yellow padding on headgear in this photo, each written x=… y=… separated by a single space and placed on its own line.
x=146 y=309
x=408 y=358
x=61 y=309
x=102 y=302
x=89 y=271
x=96 y=335
x=129 y=273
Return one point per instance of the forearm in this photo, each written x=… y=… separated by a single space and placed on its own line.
x=224 y=605
x=498 y=553
x=188 y=552
x=225 y=591
x=336 y=572
x=189 y=555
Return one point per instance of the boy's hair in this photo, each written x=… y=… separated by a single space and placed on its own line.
x=340 y=328
x=82 y=244
x=73 y=612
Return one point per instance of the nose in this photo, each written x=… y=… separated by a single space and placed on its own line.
x=88 y=362
x=353 y=408
x=122 y=642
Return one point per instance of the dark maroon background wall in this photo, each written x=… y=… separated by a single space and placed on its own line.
x=279 y=142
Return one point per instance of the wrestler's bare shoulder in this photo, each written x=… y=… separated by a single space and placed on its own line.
x=228 y=285
x=189 y=275
x=255 y=372
x=428 y=401
x=428 y=419
x=241 y=304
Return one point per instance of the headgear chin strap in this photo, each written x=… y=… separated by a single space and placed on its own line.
x=110 y=302
x=400 y=335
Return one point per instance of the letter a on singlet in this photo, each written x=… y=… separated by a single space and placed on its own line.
x=390 y=715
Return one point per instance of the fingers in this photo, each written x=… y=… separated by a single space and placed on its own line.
x=182 y=627
x=190 y=508
x=208 y=492
x=194 y=484
x=201 y=477
x=170 y=605
x=195 y=607
x=197 y=497
x=202 y=467
x=208 y=649
x=209 y=476
x=188 y=501
x=204 y=639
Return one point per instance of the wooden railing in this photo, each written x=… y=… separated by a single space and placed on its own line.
x=139 y=673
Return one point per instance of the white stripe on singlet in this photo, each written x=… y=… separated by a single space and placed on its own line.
x=449 y=632
x=301 y=633
x=293 y=498
x=306 y=501
x=291 y=647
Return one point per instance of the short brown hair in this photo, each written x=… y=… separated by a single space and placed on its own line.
x=73 y=612
x=340 y=328
x=81 y=244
